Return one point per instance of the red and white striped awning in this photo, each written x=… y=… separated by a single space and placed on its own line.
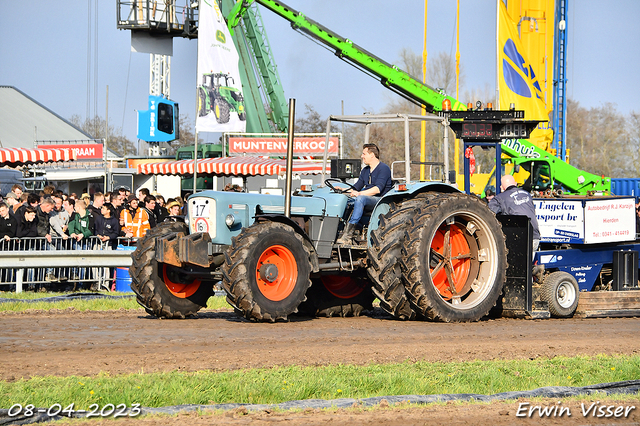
x=231 y=166
x=20 y=156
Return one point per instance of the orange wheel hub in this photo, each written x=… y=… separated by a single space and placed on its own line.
x=341 y=286
x=450 y=260
x=181 y=290
x=276 y=273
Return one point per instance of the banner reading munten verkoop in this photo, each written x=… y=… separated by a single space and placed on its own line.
x=277 y=146
x=220 y=101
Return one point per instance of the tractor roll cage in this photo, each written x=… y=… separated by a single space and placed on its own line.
x=368 y=119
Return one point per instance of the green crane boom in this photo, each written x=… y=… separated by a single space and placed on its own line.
x=389 y=75
x=522 y=151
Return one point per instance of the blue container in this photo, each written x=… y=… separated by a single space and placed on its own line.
x=123 y=280
x=626 y=186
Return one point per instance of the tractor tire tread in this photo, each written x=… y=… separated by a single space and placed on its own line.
x=146 y=283
x=415 y=279
x=384 y=252
x=235 y=274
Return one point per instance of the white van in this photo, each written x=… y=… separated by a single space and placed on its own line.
x=8 y=178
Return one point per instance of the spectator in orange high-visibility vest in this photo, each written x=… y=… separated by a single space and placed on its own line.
x=126 y=217
x=135 y=221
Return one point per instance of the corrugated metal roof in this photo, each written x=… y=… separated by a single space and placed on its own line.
x=23 y=121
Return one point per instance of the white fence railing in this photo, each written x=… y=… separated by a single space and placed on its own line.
x=36 y=263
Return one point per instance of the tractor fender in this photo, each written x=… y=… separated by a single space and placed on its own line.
x=274 y=217
x=396 y=196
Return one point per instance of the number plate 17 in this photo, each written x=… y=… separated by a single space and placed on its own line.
x=202 y=213
x=200 y=207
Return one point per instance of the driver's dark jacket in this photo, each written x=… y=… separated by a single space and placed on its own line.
x=517 y=202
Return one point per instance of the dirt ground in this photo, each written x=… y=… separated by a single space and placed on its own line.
x=60 y=343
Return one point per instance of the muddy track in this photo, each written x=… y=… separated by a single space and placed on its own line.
x=86 y=343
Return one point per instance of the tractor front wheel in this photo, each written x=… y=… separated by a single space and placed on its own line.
x=266 y=272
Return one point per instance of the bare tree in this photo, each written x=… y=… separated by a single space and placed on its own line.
x=187 y=135
x=441 y=73
x=96 y=127
x=633 y=150
x=311 y=122
x=598 y=140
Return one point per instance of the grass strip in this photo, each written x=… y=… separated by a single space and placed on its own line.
x=98 y=304
x=280 y=384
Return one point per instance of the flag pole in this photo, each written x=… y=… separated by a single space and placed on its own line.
x=497 y=55
x=456 y=151
x=423 y=110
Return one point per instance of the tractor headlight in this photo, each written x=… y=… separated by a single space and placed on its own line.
x=230 y=220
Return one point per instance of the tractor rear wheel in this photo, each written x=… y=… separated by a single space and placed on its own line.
x=266 y=272
x=338 y=295
x=161 y=288
x=384 y=254
x=221 y=109
x=203 y=108
x=454 y=259
x=561 y=291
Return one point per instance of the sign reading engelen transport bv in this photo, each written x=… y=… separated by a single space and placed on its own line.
x=273 y=146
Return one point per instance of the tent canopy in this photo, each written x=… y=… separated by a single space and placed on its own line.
x=231 y=166
x=20 y=156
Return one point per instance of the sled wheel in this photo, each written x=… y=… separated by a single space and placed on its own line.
x=561 y=291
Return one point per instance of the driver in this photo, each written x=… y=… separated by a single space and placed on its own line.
x=373 y=183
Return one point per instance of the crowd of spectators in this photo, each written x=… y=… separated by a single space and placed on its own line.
x=53 y=217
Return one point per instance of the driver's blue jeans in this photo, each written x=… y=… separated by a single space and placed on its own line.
x=360 y=203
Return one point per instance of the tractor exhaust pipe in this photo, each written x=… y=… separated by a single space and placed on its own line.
x=287 y=191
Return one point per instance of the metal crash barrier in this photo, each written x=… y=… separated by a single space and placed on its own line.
x=36 y=263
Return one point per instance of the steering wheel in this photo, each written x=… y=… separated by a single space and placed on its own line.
x=328 y=182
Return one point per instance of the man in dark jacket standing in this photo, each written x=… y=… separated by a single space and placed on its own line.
x=107 y=226
x=44 y=229
x=32 y=200
x=515 y=201
x=95 y=208
x=8 y=225
x=42 y=213
x=150 y=206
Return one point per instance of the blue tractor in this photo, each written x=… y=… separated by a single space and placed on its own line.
x=428 y=251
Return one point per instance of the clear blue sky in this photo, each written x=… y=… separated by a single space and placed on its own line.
x=44 y=53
